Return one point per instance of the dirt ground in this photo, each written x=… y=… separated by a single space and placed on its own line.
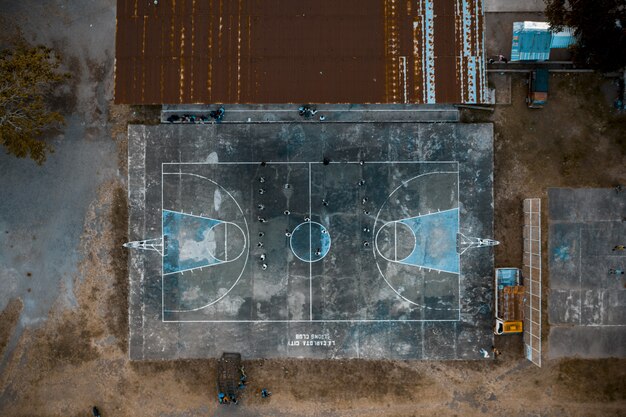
x=78 y=358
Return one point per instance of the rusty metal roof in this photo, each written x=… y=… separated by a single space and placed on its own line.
x=289 y=51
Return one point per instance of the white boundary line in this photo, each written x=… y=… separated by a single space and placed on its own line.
x=374 y=249
x=189 y=214
x=310 y=244
x=225 y=223
x=247 y=236
x=430 y=213
x=301 y=162
x=429 y=269
x=294 y=110
x=312 y=321
x=395 y=240
x=195 y=268
x=162 y=269
x=395 y=243
x=310 y=288
x=458 y=199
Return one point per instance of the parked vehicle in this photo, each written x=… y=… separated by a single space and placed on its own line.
x=509 y=301
x=537 y=88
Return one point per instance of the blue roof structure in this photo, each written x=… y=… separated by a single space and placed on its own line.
x=532 y=41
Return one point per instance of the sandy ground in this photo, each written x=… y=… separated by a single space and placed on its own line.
x=78 y=357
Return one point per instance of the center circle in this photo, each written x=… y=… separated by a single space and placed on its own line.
x=310 y=241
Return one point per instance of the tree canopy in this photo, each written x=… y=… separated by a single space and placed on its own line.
x=600 y=27
x=28 y=78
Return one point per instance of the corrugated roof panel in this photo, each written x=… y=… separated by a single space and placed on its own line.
x=563 y=39
x=283 y=51
x=533 y=41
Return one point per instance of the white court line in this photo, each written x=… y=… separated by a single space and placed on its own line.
x=402 y=261
x=425 y=267
x=302 y=162
x=318 y=109
x=162 y=257
x=458 y=201
x=222 y=261
x=195 y=268
x=226 y=242
x=188 y=214
x=317 y=122
x=312 y=321
x=424 y=215
x=310 y=249
x=310 y=212
x=246 y=241
x=295 y=253
x=375 y=250
x=395 y=241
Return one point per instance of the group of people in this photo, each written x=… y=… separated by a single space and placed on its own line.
x=308 y=111
x=501 y=58
x=223 y=398
x=617 y=271
x=305 y=111
x=494 y=350
x=216 y=115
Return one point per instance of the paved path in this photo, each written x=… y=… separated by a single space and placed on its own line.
x=327 y=113
x=513 y=6
x=43 y=208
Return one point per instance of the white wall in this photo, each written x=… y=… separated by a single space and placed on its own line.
x=513 y=6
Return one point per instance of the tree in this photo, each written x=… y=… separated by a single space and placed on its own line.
x=600 y=28
x=28 y=78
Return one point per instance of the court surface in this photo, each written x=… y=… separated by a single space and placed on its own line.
x=311 y=240
x=587 y=304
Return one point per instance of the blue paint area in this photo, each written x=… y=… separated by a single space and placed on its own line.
x=561 y=253
x=507 y=277
x=310 y=241
x=183 y=229
x=435 y=241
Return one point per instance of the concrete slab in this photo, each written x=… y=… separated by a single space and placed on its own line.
x=499 y=18
x=338 y=113
x=586 y=300
x=499 y=30
x=502 y=85
x=360 y=258
x=587 y=342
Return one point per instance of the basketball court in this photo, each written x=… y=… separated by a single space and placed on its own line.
x=319 y=240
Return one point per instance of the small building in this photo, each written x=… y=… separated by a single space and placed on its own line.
x=532 y=41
